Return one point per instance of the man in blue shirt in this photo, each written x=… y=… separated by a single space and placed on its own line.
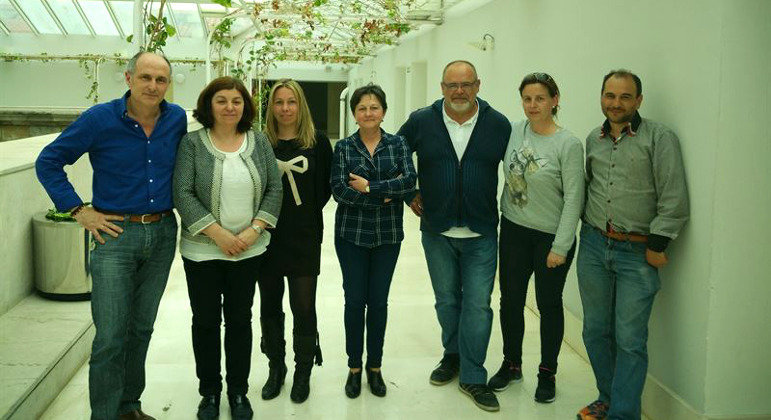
x=460 y=140
x=132 y=143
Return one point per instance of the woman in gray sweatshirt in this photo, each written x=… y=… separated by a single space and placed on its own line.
x=541 y=205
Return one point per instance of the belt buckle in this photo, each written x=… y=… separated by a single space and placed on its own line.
x=143 y=221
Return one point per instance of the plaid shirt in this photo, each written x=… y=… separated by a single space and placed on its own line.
x=365 y=218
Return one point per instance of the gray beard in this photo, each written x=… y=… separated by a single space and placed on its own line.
x=460 y=108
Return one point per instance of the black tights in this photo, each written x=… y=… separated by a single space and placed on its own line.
x=302 y=300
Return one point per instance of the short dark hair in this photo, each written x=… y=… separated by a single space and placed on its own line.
x=370 y=89
x=131 y=65
x=623 y=73
x=468 y=63
x=547 y=82
x=203 y=112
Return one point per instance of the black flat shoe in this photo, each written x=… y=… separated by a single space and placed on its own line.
x=353 y=384
x=376 y=384
x=240 y=409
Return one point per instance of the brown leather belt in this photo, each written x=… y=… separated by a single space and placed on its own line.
x=630 y=237
x=141 y=218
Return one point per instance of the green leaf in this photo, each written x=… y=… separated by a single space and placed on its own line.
x=171 y=30
x=130 y=38
x=225 y=3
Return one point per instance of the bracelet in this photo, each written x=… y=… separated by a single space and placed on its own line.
x=258 y=229
x=77 y=210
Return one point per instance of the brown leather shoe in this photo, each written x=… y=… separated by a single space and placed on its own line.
x=135 y=415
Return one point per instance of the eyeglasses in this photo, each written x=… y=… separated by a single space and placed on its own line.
x=463 y=86
x=538 y=77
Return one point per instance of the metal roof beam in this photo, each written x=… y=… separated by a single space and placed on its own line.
x=114 y=19
x=53 y=16
x=84 y=17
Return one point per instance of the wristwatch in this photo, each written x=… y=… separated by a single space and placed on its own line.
x=258 y=229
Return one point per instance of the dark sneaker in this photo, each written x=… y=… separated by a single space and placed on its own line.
x=209 y=408
x=545 y=391
x=353 y=384
x=240 y=409
x=482 y=395
x=446 y=370
x=597 y=410
x=508 y=373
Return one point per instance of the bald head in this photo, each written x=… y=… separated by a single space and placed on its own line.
x=461 y=65
x=131 y=66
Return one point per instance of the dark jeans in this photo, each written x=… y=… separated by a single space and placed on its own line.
x=302 y=300
x=219 y=287
x=129 y=275
x=523 y=251
x=462 y=274
x=367 y=274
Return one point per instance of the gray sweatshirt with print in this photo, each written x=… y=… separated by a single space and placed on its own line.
x=544 y=183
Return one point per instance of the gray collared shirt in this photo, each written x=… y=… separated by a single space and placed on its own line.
x=636 y=183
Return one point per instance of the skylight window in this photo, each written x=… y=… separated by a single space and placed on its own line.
x=188 y=20
x=99 y=17
x=39 y=17
x=11 y=18
x=69 y=17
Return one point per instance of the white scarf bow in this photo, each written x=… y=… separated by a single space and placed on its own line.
x=290 y=166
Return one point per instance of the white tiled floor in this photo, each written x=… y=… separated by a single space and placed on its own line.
x=412 y=349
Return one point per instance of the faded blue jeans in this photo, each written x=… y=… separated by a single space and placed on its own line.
x=462 y=274
x=617 y=288
x=129 y=275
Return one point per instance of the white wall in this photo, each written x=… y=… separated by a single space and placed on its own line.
x=704 y=66
x=738 y=366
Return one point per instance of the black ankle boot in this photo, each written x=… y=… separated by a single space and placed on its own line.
x=276 y=376
x=376 y=384
x=353 y=384
x=306 y=349
x=273 y=346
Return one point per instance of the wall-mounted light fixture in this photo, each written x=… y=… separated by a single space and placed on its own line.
x=487 y=43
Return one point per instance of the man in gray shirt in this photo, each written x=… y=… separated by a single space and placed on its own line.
x=636 y=202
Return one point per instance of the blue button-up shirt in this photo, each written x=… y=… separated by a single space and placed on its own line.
x=132 y=172
x=365 y=218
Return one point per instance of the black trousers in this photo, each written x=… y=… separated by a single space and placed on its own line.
x=218 y=287
x=522 y=252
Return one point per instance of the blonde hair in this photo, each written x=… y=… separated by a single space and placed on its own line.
x=306 y=132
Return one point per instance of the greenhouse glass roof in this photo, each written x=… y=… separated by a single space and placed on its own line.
x=304 y=30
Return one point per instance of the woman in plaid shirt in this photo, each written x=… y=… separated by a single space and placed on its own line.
x=371 y=171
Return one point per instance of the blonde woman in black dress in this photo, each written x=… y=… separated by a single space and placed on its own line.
x=304 y=157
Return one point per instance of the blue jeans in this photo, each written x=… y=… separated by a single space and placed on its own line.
x=367 y=274
x=129 y=275
x=617 y=289
x=462 y=274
